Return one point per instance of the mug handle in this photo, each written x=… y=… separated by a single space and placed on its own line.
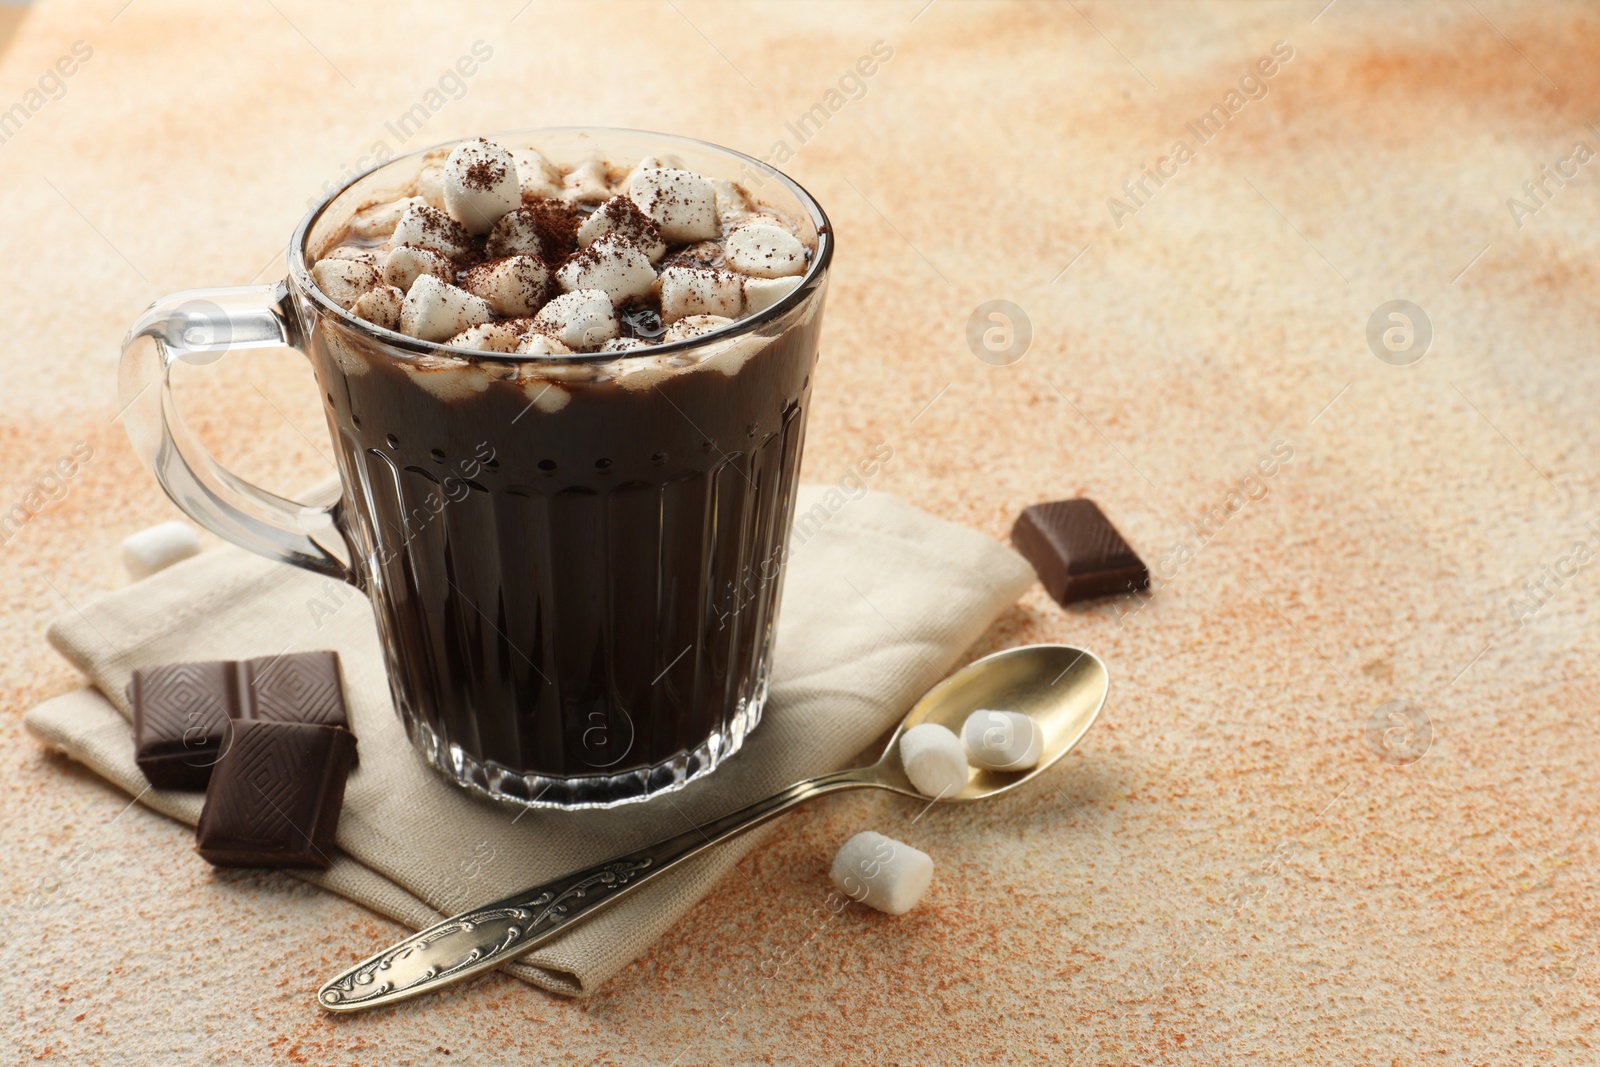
x=200 y=326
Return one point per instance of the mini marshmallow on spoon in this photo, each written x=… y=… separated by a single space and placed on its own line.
x=934 y=760
x=1002 y=740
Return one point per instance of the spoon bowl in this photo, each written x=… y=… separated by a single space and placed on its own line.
x=1061 y=687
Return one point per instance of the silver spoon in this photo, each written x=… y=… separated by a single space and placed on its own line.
x=1060 y=686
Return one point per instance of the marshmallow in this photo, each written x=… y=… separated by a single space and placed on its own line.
x=360 y=255
x=881 y=872
x=700 y=291
x=516 y=285
x=481 y=184
x=622 y=216
x=582 y=320
x=1002 y=740
x=623 y=344
x=765 y=251
x=699 y=254
x=694 y=326
x=614 y=265
x=158 y=548
x=661 y=162
x=434 y=310
x=587 y=183
x=732 y=204
x=407 y=263
x=682 y=203
x=934 y=760
x=430 y=185
x=380 y=306
x=448 y=377
x=428 y=227
x=486 y=337
x=762 y=293
x=342 y=280
x=545 y=395
x=378 y=220
x=537 y=175
x=535 y=343
x=517 y=233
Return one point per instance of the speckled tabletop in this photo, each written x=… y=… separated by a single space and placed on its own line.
x=1341 y=806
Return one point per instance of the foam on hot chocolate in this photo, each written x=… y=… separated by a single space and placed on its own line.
x=503 y=250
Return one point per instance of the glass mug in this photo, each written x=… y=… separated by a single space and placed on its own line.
x=575 y=561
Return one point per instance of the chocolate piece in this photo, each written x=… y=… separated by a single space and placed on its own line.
x=275 y=795
x=1076 y=551
x=181 y=711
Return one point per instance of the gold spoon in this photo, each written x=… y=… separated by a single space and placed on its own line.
x=1062 y=687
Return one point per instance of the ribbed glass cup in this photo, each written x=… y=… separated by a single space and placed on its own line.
x=575 y=562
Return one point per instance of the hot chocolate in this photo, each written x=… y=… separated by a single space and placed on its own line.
x=573 y=515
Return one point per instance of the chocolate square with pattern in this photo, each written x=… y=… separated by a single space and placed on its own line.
x=180 y=714
x=181 y=711
x=1076 y=551
x=302 y=687
x=275 y=795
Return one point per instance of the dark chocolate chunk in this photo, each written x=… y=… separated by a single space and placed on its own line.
x=1076 y=551
x=181 y=711
x=275 y=795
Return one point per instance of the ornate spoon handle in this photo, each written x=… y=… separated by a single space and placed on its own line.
x=485 y=937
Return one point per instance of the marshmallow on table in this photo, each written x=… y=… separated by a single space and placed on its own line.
x=539 y=178
x=434 y=310
x=380 y=306
x=582 y=320
x=428 y=227
x=515 y=286
x=934 y=760
x=694 y=326
x=614 y=265
x=700 y=291
x=762 y=293
x=343 y=280
x=765 y=251
x=158 y=548
x=1003 y=740
x=622 y=216
x=681 y=202
x=881 y=872
x=481 y=184
x=517 y=233
x=407 y=263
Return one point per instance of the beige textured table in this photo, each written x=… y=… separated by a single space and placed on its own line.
x=1342 y=805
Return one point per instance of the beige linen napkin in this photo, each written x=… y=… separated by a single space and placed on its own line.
x=880 y=601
